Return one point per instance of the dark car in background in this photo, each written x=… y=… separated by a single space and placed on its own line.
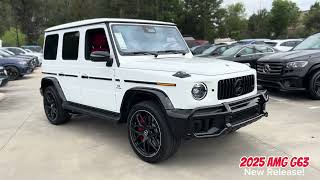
x=199 y=49
x=3 y=77
x=30 y=60
x=295 y=70
x=214 y=50
x=21 y=52
x=248 y=54
x=15 y=68
x=33 y=48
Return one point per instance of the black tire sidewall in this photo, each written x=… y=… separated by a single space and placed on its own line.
x=312 y=92
x=10 y=68
x=168 y=143
x=62 y=116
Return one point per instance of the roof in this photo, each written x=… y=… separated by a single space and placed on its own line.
x=283 y=40
x=103 y=20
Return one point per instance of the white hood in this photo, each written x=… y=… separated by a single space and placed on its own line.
x=194 y=65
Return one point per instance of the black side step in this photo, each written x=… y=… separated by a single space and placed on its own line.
x=92 y=111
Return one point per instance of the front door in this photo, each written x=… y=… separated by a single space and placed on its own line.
x=97 y=80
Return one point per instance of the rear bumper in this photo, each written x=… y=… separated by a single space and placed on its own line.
x=289 y=83
x=214 y=121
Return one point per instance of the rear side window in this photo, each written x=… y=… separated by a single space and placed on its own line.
x=70 y=46
x=51 y=47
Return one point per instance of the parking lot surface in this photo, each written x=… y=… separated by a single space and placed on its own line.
x=90 y=148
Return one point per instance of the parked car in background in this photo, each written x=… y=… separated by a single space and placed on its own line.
x=252 y=41
x=32 y=48
x=284 y=45
x=248 y=54
x=214 y=50
x=296 y=70
x=30 y=60
x=192 y=42
x=199 y=49
x=15 y=68
x=20 y=51
x=3 y=76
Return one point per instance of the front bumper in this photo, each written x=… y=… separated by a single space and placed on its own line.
x=287 y=83
x=214 y=121
x=3 y=81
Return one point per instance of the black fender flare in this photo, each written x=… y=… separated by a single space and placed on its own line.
x=159 y=94
x=52 y=81
x=314 y=67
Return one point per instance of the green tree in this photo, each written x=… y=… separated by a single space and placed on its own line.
x=284 y=13
x=201 y=18
x=13 y=37
x=235 y=21
x=312 y=18
x=258 y=24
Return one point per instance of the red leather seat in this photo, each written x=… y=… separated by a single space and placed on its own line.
x=99 y=42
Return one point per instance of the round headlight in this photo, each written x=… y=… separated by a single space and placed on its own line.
x=199 y=91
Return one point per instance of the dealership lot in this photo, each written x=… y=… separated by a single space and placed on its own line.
x=90 y=148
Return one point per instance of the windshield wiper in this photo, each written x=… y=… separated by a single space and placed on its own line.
x=142 y=53
x=172 y=52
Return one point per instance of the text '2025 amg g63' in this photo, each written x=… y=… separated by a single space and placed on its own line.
x=142 y=73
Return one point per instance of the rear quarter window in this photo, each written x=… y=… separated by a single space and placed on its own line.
x=51 y=47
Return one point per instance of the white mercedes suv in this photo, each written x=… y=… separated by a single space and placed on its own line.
x=142 y=73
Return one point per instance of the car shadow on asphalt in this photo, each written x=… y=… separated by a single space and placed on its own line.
x=201 y=152
x=295 y=95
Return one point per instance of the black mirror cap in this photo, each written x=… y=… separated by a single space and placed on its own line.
x=101 y=56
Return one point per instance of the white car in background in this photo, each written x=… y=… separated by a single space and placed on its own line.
x=21 y=51
x=284 y=45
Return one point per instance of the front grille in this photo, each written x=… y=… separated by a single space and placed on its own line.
x=269 y=68
x=230 y=88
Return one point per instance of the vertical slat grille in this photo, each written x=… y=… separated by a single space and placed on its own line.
x=230 y=88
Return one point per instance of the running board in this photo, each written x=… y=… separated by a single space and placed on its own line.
x=92 y=111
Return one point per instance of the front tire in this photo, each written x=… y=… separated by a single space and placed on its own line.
x=148 y=133
x=53 y=107
x=13 y=73
x=314 y=86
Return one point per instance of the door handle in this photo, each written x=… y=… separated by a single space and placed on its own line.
x=84 y=76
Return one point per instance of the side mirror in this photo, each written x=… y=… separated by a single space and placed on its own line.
x=238 y=55
x=101 y=56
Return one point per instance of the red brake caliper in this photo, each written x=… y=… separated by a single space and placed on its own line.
x=141 y=129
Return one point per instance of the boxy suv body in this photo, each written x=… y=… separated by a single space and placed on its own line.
x=142 y=73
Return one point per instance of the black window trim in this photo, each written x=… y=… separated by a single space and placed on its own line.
x=64 y=33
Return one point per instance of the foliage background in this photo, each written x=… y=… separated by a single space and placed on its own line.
x=202 y=19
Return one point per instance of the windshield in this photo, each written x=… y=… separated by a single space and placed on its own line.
x=4 y=54
x=312 y=42
x=209 y=50
x=33 y=48
x=132 y=39
x=232 y=51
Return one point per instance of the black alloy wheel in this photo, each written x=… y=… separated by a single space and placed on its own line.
x=50 y=106
x=149 y=134
x=53 y=107
x=13 y=73
x=145 y=133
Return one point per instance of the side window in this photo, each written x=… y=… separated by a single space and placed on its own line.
x=263 y=49
x=70 y=46
x=270 y=50
x=246 y=51
x=96 y=40
x=51 y=47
